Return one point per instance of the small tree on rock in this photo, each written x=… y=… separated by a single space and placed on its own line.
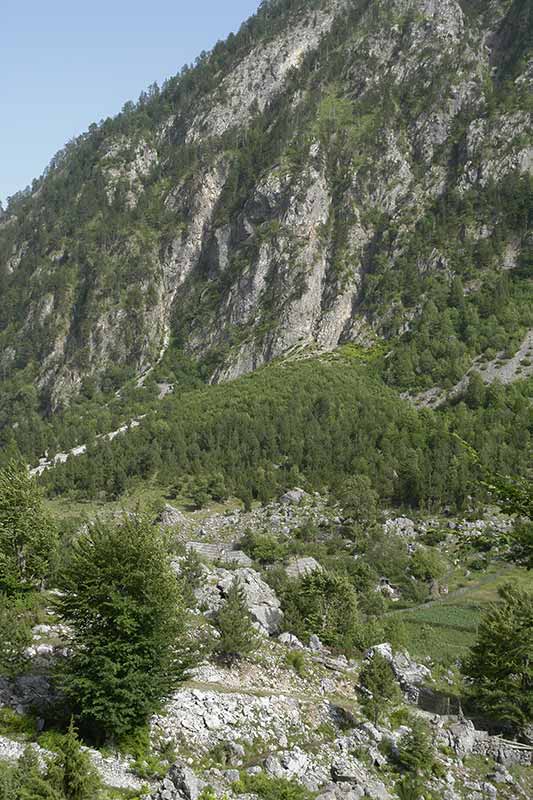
x=15 y=635
x=416 y=753
x=378 y=679
x=234 y=624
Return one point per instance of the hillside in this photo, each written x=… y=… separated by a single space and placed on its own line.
x=336 y=172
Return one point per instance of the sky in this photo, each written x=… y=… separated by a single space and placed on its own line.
x=67 y=63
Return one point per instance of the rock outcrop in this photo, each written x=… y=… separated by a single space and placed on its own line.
x=261 y=600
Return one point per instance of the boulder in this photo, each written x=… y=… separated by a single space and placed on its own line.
x=290 y=640
x=347 y=770
x=180 y=784
x=401 y=526
x=293 y=497
x=170 y=517
x=299 y=567
x=261 y=600
x=315 y=644
x=409 y=674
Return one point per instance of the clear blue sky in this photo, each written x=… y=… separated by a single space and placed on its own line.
x=67 y=63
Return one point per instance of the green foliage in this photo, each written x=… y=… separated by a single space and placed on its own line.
x=296 y=660
x=415 y=749
x=28 y=538
x=237 y=637
x=189 y=576
x=16 y=726
x=515 y=497
x=499 y=665
x=15 y=635
x=378 y=679
x=71 y=772
x=427 y=564
x=271 y=788
x=30 y=783
x=123 y=602
x=265 y=548
x=326 y=420
x=358 y=499
x=325 y=604
x=146 y=764
x=410 y=787
x=69 y=775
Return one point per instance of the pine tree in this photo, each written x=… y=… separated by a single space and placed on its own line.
x=30 y=782
x=123 y=602
x=415 y=749
x=410 y=787
x=28 y=538
x=378 y=678
x=71 y=772
x=15 y=635
x=500 y=665
x=234 y=624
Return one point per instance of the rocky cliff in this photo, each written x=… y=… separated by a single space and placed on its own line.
x=339 y=170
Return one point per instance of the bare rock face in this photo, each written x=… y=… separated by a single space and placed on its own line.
x=299 y=567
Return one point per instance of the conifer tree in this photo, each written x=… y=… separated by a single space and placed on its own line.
x=500 y=665
x=415 y=749
x=29 y=781
x=15 y=635
x=71 y=772
x=28 y=538
x=234 y=624
x=378 y=678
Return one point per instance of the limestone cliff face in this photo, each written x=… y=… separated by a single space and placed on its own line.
x=263 y=200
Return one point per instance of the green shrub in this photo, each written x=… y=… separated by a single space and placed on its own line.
x=130 y=644
x=416 y=753
x=271 y=788
x=377 y=678
x=16 y=725
x=325 y=604
x=237 y=635
x=296 y=660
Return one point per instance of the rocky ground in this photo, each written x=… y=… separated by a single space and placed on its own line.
x=261 y=716
x=298 y=720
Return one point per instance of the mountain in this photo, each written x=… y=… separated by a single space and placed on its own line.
x=341 y=171
x=268 y=333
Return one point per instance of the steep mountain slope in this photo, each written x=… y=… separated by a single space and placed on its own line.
x=337 y=171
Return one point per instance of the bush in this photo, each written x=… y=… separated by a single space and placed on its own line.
x=499 y=664
x=266 y=549
x=325 y=604
x=378 y=678
x=15 y=635
x=296 y=660
x=271 y=788
x=28 y=538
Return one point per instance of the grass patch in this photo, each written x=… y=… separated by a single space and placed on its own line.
x=445 y=630
x=17 y=726
x=271 y=788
